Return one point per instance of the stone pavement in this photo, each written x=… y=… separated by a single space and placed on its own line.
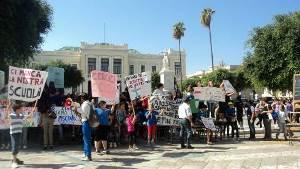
x=223 y=155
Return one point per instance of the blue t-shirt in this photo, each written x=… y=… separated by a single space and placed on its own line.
x=151 y=120
x=103 y=116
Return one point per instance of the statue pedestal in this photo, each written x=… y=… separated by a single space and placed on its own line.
x=167 y=78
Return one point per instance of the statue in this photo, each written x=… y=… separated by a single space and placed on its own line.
x=166 y=63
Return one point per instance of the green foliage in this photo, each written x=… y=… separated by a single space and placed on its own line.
x=206 y=16
x=178 y=30
x=274 y=55
x=23 y=24
x=72 y=76
x=191 y=81
x=155 y=80
x=217 y=77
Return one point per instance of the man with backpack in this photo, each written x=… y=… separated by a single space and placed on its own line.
x=86 y=117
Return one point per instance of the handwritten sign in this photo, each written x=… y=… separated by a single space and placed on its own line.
x=228 y=87
x=209 y=94
x=66 y=116
x=26 y=84
x=167 y=121
x=32 y=121
x=56 y=75
x=139 y=85
x=208 y=123
x=163 y=103
x=104 y=86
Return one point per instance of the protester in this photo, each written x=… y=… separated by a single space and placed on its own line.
x=203 y=113
x=250 y=111
x=121 y=114
x=186 y=123
x=113 y=130
x=85 y=110
x=282 y=119
x=159 y=90
x=131 y=120
x=267 y=118
x=231 y=118
x=16 y=124
x=151 y=125
x=239 y=111
x=101 y=132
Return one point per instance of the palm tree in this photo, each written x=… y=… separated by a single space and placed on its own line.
x=206 y=20
x=178 y=32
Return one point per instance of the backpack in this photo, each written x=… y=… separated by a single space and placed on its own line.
x=93 y=117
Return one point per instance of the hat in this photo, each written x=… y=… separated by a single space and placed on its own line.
x=187 y=98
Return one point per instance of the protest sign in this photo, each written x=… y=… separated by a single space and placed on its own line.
x=56 y=75
x=104 y=86
x=66 y=116
x=32 y=121
x=163 y=103
x=208 y=123
x=228 y=87
x=167 y=121
x=139 y=85
x=209 y=94
x=26 y=84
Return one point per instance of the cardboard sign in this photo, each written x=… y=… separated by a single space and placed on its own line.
x=56 y=75
x=228 y=87
x=209 y=94
x=208 y=123
x=167 y=121
x=32 y=121
x=26 y=84
x=66 y=116
x=139 y=85
x=169 y=107
x=104 y=86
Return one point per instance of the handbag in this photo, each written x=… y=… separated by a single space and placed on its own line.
x=51 y=113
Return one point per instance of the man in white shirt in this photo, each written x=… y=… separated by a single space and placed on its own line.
x=186 y=123
x=84 y=110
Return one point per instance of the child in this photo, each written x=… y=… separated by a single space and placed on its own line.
x=205 y=114
x=114 y=129
x=282 y=117
x=131 y=119
x=151 y=124
x=16 y=124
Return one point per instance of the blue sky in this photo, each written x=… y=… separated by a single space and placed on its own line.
x=146 y=25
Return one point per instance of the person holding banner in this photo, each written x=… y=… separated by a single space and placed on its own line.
x=17 y=119
x=151 y=124
x=186 y=123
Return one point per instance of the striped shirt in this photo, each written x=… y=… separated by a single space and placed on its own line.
x=16 y=122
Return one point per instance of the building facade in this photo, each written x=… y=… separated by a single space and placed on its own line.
x=117 y=59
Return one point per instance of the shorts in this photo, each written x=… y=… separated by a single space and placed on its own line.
x=151 y=131
x=101 y=133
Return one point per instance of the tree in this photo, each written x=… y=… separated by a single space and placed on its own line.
x=72 y=76
x=274 y=53
x=191 y=81
x=23 y=23
x=218 y=76
x=155 y=80
x=178 y=33
x=206 y=20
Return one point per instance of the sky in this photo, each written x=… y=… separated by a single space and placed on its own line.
x=146 y=25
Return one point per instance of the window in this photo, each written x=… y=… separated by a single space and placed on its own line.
x=74 y=65
x=104 y=64
x=117 y=66
x=91 y=64
x=153 y=69
x=131 y=69
x=142 y=68
x=177 y=68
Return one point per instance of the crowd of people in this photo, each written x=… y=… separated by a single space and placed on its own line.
x=109 y=126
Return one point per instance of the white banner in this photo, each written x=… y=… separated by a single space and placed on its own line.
x=228 y=87
x=26 y=84
x=208 y=123
x=209 y=94
x=167 y=121
x=139 y=85
x=66 y=116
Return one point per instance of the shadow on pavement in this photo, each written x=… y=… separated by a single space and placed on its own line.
x=52 y=166
x=112 y=167
x=182 y=154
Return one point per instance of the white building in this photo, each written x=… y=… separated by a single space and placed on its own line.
x=117 y=59
x=201 y=73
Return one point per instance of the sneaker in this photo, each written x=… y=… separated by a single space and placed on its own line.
x=135 y=147
x=130 y=149
x=24 y=147
x=105 y=152
x=20 y=162
x=182 y=146
x=86 y=159
x=110 y=145
x=14 y=165
x=190 y=147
